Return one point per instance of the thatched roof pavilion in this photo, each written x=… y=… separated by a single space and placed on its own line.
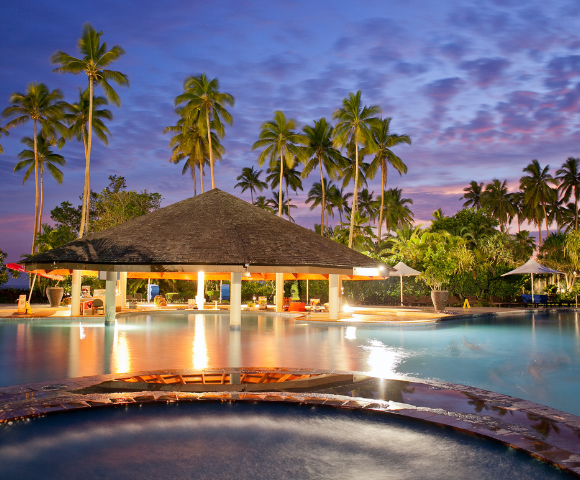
x=214 y=233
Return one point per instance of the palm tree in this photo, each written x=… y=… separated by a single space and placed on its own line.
x=78 y=119
x=384 y=141
x=285 y=206
x=4 y=132
x=320 y=151
x=497 y=200
x=569 y=213
x=46 y=158
x=354 y=127
x=396 y=212
x=190 y=143
x=349 y=173
x=264 y=204
x=282 y=146
x=47 y=109
x=203 y=96
x=537 y=191
x=363 y=238
x=338 y=200
x=472 y=195
x=292 y=178
x=250 y=180
x=516 y=199
x=367 y=204
x=95 y=59
x=569 y=178
x=316 y=195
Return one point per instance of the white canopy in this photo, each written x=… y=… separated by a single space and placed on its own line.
x=531 y=267
x=404 y=271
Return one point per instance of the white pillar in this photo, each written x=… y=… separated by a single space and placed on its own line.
x=123 y=288
x=110 y=307
x=236 y=301
x=279 y=292
x=333 y=296
x=75 y=294
x=200 y=299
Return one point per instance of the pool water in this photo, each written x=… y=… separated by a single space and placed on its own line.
x=531 y=356
x=206 y=441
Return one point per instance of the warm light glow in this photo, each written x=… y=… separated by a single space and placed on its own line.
x=383 y=360
x=346 y=308
x=82 y=330
x=121 y=361
x=199 y=348
x=366 y=272
x=350 y=333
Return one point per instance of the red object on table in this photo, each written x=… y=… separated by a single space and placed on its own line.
x=297 y=307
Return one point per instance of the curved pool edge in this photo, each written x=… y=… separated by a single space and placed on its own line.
x=543 y=432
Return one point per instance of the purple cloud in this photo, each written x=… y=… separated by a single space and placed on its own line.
x=485 y=71
x=443 y=90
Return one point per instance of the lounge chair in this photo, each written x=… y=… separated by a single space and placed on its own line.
x=138 y=297
x=98 y=305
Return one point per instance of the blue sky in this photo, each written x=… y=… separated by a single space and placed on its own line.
x=481 y=87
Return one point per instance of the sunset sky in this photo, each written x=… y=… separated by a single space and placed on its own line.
x=481 y=87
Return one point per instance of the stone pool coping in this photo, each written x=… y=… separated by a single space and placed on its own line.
x=543 y=432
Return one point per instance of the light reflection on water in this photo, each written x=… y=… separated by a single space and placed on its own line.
x=529 y=356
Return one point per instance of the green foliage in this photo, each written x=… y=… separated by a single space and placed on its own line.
x=262 y=288
x=477 y=221
x=3 y=269
x=52 y=237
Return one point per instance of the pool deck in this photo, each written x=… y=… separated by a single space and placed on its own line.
x=545 y=433
x=357 y=315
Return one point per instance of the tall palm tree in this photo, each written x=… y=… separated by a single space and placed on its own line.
x=46 y=158
x=4 y=132
x=368 y=206
x=338 y=200
x=363 y=234
x=263 y=203
x=190 y=142
x=569 y=178
x=569 y=213
x=320 y=151
x=396 y=212
x=250 y=180
x=78 y=119
x=316 y=195
x=292 y=179
x=203 y=95
x=283 y=146
x=349 y=173
x=473 y=195
x=95 y=58
x=354 y=127
x=285 y=206
x=498 y=202
x=537 y=191
x=556 y=211
x=47 y=109
x=516 y=199
x=384 y=141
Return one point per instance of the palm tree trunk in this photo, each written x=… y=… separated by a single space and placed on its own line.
x=36 y=186
x=210 y=149
x=539 y=223
x=576 y=203
x=323 y=198
x=201 y=174
x=194 y=180
x=287 y=199
x=383 y=185
x=546 y=217
x=41 y=203
x=88 y=161
x=354 y=199
x=280 y=187
x=252 y=195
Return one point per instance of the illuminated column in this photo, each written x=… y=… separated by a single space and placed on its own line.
x=123 y=288
x=333 y=296
x=236 y=301
x=110 y=307
x=279 y=292
x=75 y=294
x=200 y=299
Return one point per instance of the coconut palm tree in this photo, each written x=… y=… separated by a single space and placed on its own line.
x=338 y=200
x=292 y=178
x=496 y=199
x=316 y=195
x=78 y=119
x=285 y=206
x=472 y=195
x=320 y=151
x=250 y=180
x=396 y=212
x=4 y=132
x=537 y=191
x=263 y=203
x=367 y=205
x=44 y=108
x=282 y=146
x=190 y=143
x=569 y=178
x=46 y=159
x=354 y=128
x=364 y=236
x=384 y=141
x=568 y=214
x=203 y=96
x=516 y=199
x=95 y=58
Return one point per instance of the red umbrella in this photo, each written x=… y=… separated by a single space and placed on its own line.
x=19 y=268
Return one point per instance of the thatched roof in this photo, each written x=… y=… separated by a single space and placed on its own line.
x=214 y=231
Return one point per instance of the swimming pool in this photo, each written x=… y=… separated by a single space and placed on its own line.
x=532 y=356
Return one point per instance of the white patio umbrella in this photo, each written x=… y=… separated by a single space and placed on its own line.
x=403 y=270
x=531 y=267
